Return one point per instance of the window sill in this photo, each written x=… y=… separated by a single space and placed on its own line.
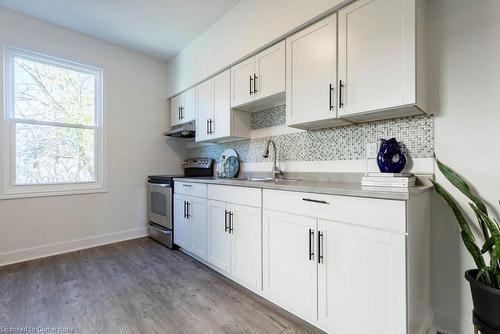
x=52 y=193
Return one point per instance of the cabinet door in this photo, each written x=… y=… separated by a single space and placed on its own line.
x=361 y=280
x=197 y=212
x=181 y=224
x=218 y=246
x=289 y=267
x=221 y=125
x=189 y=106
x=175 y=112
x=311 y=64
x=242 y=76
x=270 y=69
x=376 y=55
x=204 y=109
x=246 y=247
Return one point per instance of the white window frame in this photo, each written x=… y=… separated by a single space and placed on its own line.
x=8 y=155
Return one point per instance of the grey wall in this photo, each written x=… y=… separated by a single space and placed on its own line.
x=465 y=81
x=136 y=116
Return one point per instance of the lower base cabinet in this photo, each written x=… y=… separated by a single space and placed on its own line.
x=289 y=263
x=346 y=278
x=218 y=237
x=234 y=241
x=347 y=265
x=361 y=279
x=190 y=224
x=246 y=245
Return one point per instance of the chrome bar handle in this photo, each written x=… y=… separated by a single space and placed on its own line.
x=225 y=220
x=315 y=201
x=341 y=85
x=311 y=251
x=320 y=247
x=231 y=225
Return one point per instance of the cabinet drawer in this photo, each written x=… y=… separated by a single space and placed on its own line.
x=376 y=213
x=192 y=189
x=237 y=195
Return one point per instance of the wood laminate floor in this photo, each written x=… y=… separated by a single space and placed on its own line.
x=136 y=286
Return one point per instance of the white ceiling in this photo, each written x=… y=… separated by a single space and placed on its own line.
x=161 y=28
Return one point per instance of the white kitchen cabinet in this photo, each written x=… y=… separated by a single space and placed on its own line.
x=289 y=262
x=361 y=279
x=204 y=110
x=245 y=230
x=197 y=220
x=311 y=76
x=234 y=234
x=234 y=241
x=362 y=260
x=380 y=64
x=259 y=81
x=190 y=224
x=175 y=110
x=181 y=224
x=218 y=238
x=242 y=76
x=215 y=121
x=191 y=189
x=221 y=126
x=347 y=265
x=183 y=107
x=189 y=106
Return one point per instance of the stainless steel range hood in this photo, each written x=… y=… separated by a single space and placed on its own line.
x=187 y=130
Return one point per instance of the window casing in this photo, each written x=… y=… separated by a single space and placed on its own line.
x=52 y=126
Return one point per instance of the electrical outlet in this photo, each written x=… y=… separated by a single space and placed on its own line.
x=371 y=150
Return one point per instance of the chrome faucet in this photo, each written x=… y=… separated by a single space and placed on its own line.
x=276 y=170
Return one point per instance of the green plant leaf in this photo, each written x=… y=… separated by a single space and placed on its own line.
x=488 y=245
x=478 y=258
x=494 y=261
x=461 y=185
x=495 y=235
x=490 y=275
x=482 y=225
x=486 y=273
x=490 y=224
x=462 y=222
x=473 y=250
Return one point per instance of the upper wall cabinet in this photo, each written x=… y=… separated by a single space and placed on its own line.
x=380 y=70
x=215 y=121
x=183 y=107
x=379 y=59
x=311 y=76
x=259 y=82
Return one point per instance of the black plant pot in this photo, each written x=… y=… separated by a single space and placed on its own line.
x=486 y=304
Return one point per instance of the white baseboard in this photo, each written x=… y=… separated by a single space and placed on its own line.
x=450 y=324
x=69 y=246
x=428 y=327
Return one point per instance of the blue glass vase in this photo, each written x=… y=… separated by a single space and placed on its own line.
x=391 y=158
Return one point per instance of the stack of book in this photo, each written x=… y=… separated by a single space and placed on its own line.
x=398 y=180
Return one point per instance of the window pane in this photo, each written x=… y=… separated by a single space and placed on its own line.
x=48 y=154
x=53 y=94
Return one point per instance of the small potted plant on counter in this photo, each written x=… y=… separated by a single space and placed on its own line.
x=485 y=280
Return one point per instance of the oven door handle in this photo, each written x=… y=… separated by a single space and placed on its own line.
x=159 y=185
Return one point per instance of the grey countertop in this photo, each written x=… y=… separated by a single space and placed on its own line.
x=319 y=187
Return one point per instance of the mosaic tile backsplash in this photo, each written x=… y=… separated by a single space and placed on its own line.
x=415 y=133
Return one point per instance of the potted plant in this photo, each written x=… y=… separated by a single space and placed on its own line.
x=485 y=280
